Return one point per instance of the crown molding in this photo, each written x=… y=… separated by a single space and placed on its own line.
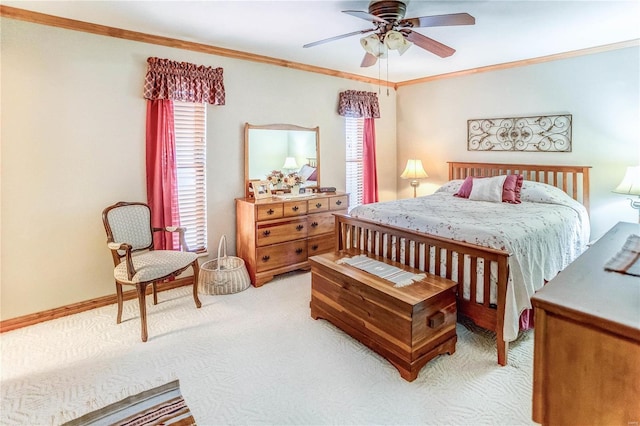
x=75 y=25
x=524 y=62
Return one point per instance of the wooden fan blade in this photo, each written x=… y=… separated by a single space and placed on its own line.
x=430 y=44
x=365 y=15
x=368 y=60
x=439 y=20
x=338 y=37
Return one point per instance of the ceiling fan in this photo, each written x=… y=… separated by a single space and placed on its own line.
x=393 y=32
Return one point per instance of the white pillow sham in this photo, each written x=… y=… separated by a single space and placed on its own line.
x=452 y=186
x=489 y=189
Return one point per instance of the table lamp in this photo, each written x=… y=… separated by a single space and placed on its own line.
x=290 y=164
x=414 y=171
x=630 y=185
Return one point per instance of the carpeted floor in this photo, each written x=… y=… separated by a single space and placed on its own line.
x=254 y=357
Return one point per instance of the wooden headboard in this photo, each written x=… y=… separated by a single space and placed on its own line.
x=574 y=180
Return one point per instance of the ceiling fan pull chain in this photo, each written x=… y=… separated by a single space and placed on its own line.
x=379 y=77
x=388 y=58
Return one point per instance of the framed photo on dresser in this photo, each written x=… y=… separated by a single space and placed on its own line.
x=260 y=189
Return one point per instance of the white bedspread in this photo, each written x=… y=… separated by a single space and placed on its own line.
x=544 y=233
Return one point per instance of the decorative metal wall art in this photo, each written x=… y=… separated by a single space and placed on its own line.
x=546 y=133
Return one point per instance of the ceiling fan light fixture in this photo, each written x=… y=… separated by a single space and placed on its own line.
x=394 y=40
x=373 y=46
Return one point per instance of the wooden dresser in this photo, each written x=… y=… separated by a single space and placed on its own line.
x=587 y=341
x=277 y=235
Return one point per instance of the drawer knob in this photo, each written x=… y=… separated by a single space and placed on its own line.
x=338 y=202
x=270 y=211
x=314 y=247
x=266 y=258
x=295 y=208
x=299 y=250
x=299 y=227
x=314 y=224
x=318 y=205
x=266 y=233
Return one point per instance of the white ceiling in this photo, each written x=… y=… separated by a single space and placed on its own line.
x=505 y=31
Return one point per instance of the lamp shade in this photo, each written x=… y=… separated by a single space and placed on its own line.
x=630 y=184
x=290 y=163
x=372 y=45
x=414 y=170
x=396 y=41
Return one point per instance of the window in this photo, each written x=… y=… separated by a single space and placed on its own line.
x=354 y=130
x=190 y=131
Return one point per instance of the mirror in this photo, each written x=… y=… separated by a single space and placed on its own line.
x=284 y=147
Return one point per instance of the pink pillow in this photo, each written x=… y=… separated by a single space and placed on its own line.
x=510 y=190
x=465 y=188
x=314 y=175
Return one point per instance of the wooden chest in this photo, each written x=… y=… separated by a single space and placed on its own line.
x=407 y=325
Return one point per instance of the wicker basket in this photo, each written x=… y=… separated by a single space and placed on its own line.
x=224 y=275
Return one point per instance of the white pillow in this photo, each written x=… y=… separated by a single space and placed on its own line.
x=306 y=171
x=452 y=186
x=489 y=189
x=538 y=192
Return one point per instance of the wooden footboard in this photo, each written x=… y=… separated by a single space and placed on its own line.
x=443 y=257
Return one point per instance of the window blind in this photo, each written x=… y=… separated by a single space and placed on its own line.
x=354 y=134
x=190 y=133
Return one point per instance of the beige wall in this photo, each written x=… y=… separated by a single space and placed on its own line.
x=73 y=126
x=601 y=91
x=72 y=141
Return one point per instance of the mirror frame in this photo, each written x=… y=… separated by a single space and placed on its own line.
x=248 y=127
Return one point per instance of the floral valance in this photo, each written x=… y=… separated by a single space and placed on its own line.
x=182 y=81
x=358 y=104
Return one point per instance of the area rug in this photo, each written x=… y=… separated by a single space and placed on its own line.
x=162 y=405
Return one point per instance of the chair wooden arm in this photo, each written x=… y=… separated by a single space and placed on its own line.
x=131 y=271
x=181 y=230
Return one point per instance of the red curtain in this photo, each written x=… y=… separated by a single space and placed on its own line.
x=162 y=181
x=370 y=175
x=168 y=81
x=353 y=103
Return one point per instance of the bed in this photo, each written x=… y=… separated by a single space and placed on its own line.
x=498 y=259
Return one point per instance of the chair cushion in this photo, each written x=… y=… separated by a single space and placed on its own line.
x=154 y=264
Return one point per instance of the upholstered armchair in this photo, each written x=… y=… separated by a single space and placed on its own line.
x=130 y=239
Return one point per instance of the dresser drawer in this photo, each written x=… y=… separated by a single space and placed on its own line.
x=280 y=231
x=269 y=211
x=321 y=244
x=279 y=255
x=320 y=223
x=339 y=202
x=295 y=208
x=318 y=205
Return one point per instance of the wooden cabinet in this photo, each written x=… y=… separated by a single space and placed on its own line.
x=587 y=341
x=274 y=235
